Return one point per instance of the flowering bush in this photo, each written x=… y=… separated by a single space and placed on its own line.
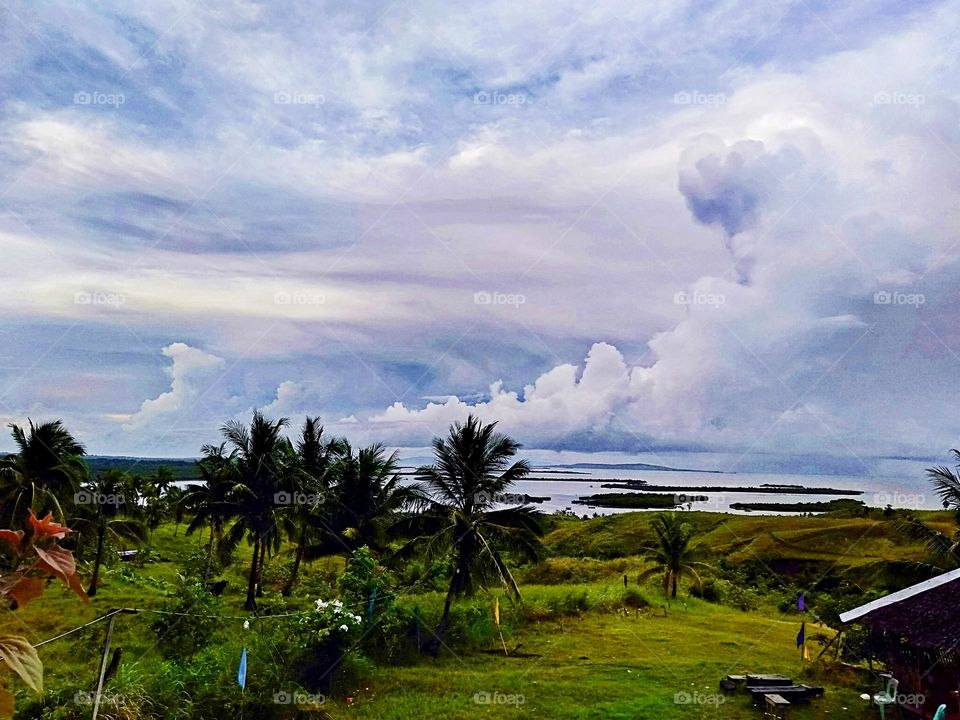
x=330 y=619
x=325 y=635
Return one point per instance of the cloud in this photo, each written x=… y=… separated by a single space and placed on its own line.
x=189 y=375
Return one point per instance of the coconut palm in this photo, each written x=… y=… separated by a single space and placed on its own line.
x=944 y=548
x=308 y=523
x=369 y=496
x=98 y=513
x=44 y=472
x=173 y=502
x=209 y=500
x=673 y=554
x=473 y=468
x=260 y=466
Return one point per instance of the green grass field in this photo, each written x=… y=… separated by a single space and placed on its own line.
x=577 y=651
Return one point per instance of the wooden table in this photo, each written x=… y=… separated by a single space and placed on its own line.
x=776 y=707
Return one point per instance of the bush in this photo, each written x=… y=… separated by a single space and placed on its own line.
x=180 y=636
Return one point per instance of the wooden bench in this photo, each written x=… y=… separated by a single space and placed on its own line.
x=794 y=693
x=776 y=707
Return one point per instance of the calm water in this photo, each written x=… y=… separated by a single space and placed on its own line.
x=904 y=492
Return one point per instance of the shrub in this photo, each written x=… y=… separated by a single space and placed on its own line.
x=180 y=636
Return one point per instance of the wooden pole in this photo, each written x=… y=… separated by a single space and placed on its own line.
x=103 y=664
x=106 y=652
x=827 y=646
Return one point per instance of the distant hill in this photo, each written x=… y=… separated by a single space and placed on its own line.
x=182 y=469
x=631 y=466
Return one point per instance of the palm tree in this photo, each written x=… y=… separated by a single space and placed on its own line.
x=47 y=468
x=673 y=553
x=369 y=496
x=209 y=501
x=98 y=512
x=310 y=516
x=472 y=469
x=944 y=548
x=173 y=500
x=260 y=462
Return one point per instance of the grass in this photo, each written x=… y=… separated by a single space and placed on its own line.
x=605 y=665
x=586 y=647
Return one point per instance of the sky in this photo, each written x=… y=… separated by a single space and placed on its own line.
x=630 y=227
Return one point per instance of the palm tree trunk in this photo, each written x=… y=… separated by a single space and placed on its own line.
x=251 y=603
x=97 y=560
x=461 y=568
x=433 y=645
x=288 y=588
x=263 y=558
x=206 y=573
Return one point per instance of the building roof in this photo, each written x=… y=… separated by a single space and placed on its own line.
x=923 y=614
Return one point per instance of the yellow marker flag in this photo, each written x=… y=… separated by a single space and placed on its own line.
x=496 y=611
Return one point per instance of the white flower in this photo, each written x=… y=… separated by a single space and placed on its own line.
x=357 y=618
x=246 y=624
x=344 y=628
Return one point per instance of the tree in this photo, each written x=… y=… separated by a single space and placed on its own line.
x=259 y=467
x=99 y=512
x=369 y=496
x=309 y=518
x=44 y=472
x=944 y=549
x=173 y=499
x=673 y=553
x=473 y=468
x=210 y=501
